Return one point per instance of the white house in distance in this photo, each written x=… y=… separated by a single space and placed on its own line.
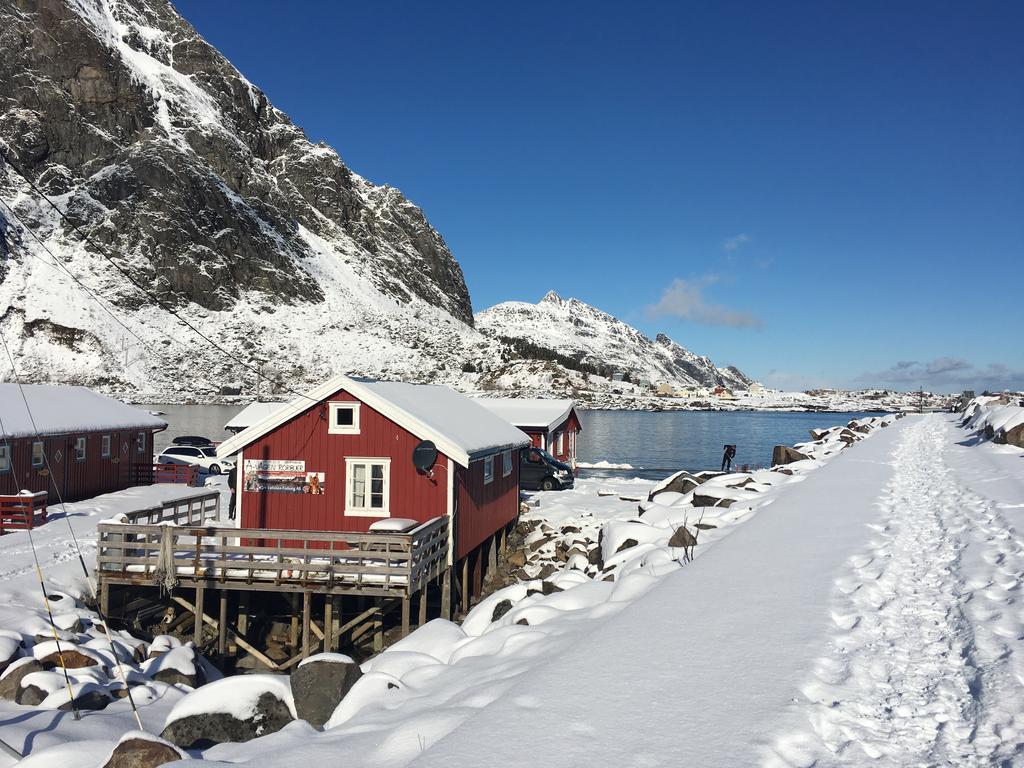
x=253 y=413
x=551 y=424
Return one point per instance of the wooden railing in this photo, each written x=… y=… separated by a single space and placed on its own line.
x=375 y=564
x=151 y=474
x=18 y=513
x=196 y=509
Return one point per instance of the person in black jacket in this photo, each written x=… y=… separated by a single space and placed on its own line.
x=727 y=457
x=231 y=485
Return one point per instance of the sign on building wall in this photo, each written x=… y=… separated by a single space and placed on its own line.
x=281 y=476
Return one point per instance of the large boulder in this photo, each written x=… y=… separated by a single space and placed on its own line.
x=783 y=454
x=320 y=683
x=234 y=709
x=681 y=482
x=177 y=666
x=1015 y=435
x=141 y=750
x=10 y=684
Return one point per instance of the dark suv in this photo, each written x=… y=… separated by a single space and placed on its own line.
x=539 y=470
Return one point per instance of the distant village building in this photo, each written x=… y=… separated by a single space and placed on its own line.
x=665 y=389
x=756 y=388
x=251 y=414
x=72 y=442
x=340 y=458
x=551 y=424
x=618 y=376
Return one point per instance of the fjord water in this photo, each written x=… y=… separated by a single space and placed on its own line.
x=657 y=442
x=651 y=442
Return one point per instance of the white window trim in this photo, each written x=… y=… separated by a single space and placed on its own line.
x=560 y=442
x=85 y=448
x=140 y=442
x=106 y=446
x=42 y=454
x=333 y=428
x=351 y=511
x=488 y=476
x=506 y=463
x=8 y=464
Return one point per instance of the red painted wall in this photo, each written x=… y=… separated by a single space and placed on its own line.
x=71 y=479
x=305 y=437
x=484 y=508
x=571 y=424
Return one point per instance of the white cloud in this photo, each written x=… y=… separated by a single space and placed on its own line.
x=734 y=243
x=685 y=299
x=947 y=373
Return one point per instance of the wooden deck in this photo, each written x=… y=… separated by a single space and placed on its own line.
x=227 y=558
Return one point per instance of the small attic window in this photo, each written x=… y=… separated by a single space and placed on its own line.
x=344 y=419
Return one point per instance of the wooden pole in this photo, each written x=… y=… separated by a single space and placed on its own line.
x=405 y=615
x=293 y=635
x=243 y=612
x=465 y=584
x=378 y=634
x=503 y=549
x=105 y=599
x=329 y=624
x=446 y=594
x=307 y=604
x=492 y=557
x=423 y=606
x=222 y=629
x=197 y=631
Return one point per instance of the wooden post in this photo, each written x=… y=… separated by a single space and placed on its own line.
x=328 y=624
x=378 y=632
x=293 y=635
x=405 y=615
x=197 y=630
x=492 y=557
x=503 y=549
x=307 y=600
x=423 y=606
x=446 y=594
x=222 y=626
x=243 y=613
x=465 y=584
x=105 y=599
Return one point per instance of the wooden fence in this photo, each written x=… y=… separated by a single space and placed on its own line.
x=335 y=563
x=196 y=509
x=18 y=512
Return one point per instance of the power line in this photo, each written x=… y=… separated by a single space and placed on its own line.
x=145 y=291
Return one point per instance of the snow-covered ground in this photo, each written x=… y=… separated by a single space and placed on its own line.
x=860 y=611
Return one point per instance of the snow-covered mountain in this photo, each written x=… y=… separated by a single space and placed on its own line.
x=577 y=335
x=157 y=147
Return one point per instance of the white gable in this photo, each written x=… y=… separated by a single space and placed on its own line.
x=527 y=412
x=461 y=428
x=59 y=410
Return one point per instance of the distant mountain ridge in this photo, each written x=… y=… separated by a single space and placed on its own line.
x=595 y=339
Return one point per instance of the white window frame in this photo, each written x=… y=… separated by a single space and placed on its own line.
x=506 y=466
x=6 y=452
x=352 y=511
x=42 y=454
x=140 y=442
x=83 y=440
x=488 y=469
x=332 y=426
x=560 y=442
x=105 y=443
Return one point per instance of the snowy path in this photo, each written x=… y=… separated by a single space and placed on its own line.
x=927 y=664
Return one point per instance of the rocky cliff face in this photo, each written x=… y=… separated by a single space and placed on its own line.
x=570 y=332
x=154 y=145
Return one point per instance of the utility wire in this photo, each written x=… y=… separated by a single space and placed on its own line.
x=78 y=549
x=127 y=275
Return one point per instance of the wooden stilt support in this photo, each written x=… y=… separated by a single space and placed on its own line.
x=492 y=557
x=222 y=629
x=446 y=594
x=293 y=635
x=503 y=548
x=423 y=606
x=405 y=615
x=243 y=612
x=197 y=631
x=105 y=599
x=465 y=584
x=378 y=633
x=307 y=604
x=329 y=624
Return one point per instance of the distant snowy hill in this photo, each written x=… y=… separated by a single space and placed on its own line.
x=570 y=330
x=162 y=151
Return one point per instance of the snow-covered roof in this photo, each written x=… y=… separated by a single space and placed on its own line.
x=527 y=412
x=461 y=429
x=61 y=409
x=253 y=413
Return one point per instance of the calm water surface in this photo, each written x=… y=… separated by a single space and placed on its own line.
x=651 y=442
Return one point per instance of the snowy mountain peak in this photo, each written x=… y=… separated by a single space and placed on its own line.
x=576 y=333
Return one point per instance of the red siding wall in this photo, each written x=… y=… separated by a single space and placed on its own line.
x=484 y=509
x=77 y=479
x=571 y=424
x=306 y=438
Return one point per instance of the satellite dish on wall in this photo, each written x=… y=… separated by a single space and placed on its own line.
x=424 y=455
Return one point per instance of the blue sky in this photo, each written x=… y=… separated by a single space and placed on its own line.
x=820 y=193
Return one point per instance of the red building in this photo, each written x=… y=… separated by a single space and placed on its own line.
x=340 y=458
x=551 y=424
x=71 y=441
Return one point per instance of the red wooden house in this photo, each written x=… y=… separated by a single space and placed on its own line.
x=551 y=424
x=71 y=441
x=341 y=458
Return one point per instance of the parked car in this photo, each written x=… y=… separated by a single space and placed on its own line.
x=203 y=456
x=539 y=470
x=192 y=440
